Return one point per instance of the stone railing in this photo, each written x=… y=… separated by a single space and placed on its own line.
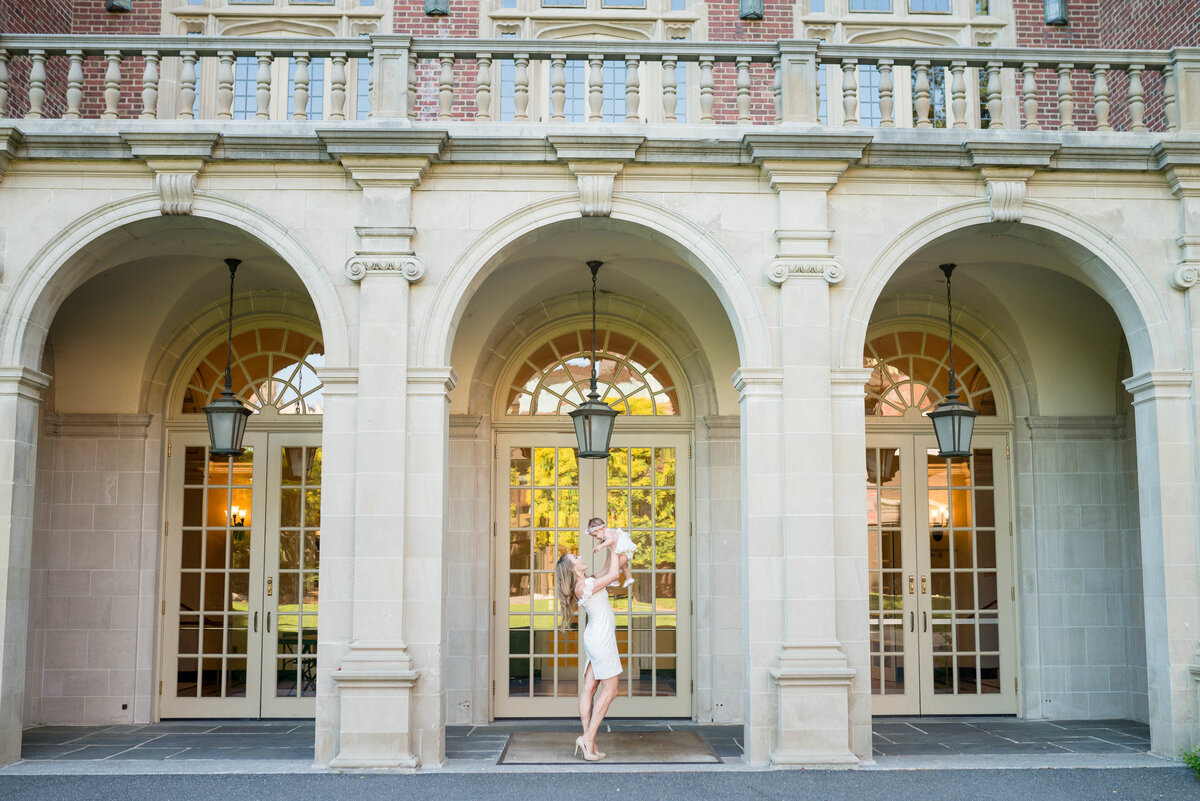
x=523 y=81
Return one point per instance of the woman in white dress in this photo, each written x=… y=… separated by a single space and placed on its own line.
x=577 y=589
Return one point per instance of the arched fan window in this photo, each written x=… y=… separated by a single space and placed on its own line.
x=629 y=376
x=274 y=367
x=911 y=369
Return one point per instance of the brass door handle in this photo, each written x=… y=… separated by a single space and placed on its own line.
x=270 y=590
x=912 y=585
x=924 y=586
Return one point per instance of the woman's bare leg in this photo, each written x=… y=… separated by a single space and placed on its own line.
x=586 y=692
x=608 y=692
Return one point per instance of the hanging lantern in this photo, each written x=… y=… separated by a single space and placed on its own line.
x=227 y=415
x=593 y=418
x=953 y=421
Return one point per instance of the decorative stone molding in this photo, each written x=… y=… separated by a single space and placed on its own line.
x=783 y=269
x=399 y=264
x=10 y=140
x=23 y=382
x=1187 y=270
x=1006 y=192
x=338 y=380
x=1159 y=385
x=758 y=381
x=105 y=426
x=431 y=380
x=595 y=186
x=175 y=182
x=465 y=426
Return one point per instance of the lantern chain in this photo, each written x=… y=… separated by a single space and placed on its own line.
x=947 y=269
x=233 y=265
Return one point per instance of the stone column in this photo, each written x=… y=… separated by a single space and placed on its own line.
x=426 y=529
x=1164 y=411
x=336 y=626
x=20 y=394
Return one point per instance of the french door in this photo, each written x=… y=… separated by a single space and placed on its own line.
x=545 y=495
x=241 y=563
x=940 y=578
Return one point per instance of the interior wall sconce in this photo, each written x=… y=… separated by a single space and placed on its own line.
x=1056 y=12
x=118 y=6
x=750 y=9
x=437 y=8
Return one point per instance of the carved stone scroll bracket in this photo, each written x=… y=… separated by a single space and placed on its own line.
x=783 y=269
x=397 y=264
x=596 y=180
x=1187 y=270
x=175 y=182
x=1006 y=192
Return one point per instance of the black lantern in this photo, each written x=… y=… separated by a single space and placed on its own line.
x=953 y=421
x=593 y=418
x=227 y=415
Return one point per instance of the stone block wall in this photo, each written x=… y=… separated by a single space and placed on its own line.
x=94 y=571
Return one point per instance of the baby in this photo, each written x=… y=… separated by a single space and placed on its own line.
x=625 y=546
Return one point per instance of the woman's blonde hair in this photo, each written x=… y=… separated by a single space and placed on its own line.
x=564 y=588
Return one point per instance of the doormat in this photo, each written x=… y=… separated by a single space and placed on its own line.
x=619 y=747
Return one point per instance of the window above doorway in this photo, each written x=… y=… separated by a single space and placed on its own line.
x=911 y=370
x=271 y=367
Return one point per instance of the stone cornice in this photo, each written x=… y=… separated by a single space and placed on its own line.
x=10 y=140
x=758 y=381
x=23 y=382
x=374 y=142
x=1159 y=384
x=170 y=144
x=1013 y=150
x=431 y=380
x=338 y=380
x=104 y=426
x=580 y=147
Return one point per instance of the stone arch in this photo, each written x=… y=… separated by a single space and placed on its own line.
x=63 y=262
x=1116 y=277
x=490 y=249
x=674 y=340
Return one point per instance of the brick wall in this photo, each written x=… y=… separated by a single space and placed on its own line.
x=1150 y=25
x=725 y=26
x=43 y=16
x=89 y=17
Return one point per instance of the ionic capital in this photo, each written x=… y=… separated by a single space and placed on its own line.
x=402 y=264
x=783 y=269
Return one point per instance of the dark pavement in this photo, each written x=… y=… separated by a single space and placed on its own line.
x=1172 y=783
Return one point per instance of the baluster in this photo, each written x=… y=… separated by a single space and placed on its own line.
x=112 y=85
x=74 y=85
x=150 y=85
x=1170 y=109
x=1100 y=96
x=225 y=59
x=995 y=97
x=670 y=87
x=706 y=89
x=4 y=79
x=521 y=87
x=1029 y=93
x=1066 y=98
x=921 y=94
x=1137 y=101
x=850 y=93
x=958 y=93
x=262 y=85
x=337 y=86
x=446 y=87
x=558 y=86
x=743 y=89
x=595 y=88
x=887 y=105
x=633 y=88
x=37 y=84
x=300 y=88
x=777 y=89
x=187 y=84
x=483 y=86
x=412 y=85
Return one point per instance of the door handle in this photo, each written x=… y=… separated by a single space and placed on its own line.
x=268 y=622
x=924 y=621
x=256 y=622
x=270 y=590
x=924 y=586
x=912 y=585
x=912 y=621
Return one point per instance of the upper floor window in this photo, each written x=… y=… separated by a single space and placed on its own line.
x=914 y=6
x=911 y=370
x=275 y=367
x=870 y=5
x=555 y=378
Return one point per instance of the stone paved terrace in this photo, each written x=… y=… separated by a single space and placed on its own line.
x=187 y=740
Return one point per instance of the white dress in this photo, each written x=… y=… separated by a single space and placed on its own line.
x=625 y=544
x=600 y=634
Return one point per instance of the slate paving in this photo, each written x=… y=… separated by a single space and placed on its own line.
x=192 y=740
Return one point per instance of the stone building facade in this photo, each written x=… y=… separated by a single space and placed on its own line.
x=413 y=198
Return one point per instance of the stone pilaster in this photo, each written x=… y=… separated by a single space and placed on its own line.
x=20 y=394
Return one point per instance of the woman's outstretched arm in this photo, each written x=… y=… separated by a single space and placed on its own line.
x=613 y=572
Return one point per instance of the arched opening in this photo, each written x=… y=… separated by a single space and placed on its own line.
x=1054 y=494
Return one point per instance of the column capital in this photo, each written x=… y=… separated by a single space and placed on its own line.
x=758 y=381
x=850 y=382
x=23 y=382
x=431 y=380
x=1159 y=385
x=398 y=264
x=783 y=269
x=341 y=381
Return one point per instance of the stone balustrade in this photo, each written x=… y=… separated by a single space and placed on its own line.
x=561 y=81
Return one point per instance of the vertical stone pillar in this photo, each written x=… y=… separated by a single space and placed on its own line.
x=1164 y=412
x=426 y=530
x=20 y=394
x=336 y=627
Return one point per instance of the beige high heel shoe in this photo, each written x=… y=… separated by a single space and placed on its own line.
x=590 y=756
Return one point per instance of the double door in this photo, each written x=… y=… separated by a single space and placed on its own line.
x=545 y=496
x=940 y=578
x=240 y=596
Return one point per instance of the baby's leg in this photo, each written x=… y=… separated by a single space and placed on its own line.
x=625 y=569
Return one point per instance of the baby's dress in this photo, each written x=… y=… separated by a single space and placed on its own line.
x=600 y=633
x=625 y=545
